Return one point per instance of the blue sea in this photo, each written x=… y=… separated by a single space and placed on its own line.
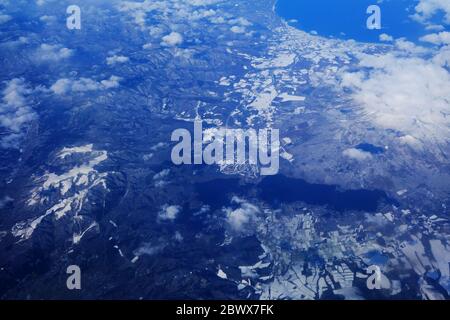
x=346 y=19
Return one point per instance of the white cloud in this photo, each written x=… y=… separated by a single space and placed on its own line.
x=139 y=10
x=217 y=20
x=434 y=27
x=48 y=19
x=173 y=39
x=4 y=18
x=52 y=53
x=357 y=154
x=442 y=58
x=241 y=22
x=202 y=2
x=148 y=249
x=407 y=94
x=237 y=29
x=161 y=175
x=426 y=9
x=239 y=218
x=386 y=38
x=440 y=38
x=15 y=112
x=187 y=11
x=155 y=31
x=112 y=82
x=116 y=59
x=63 y=86
x=201 y=14
x=18 y=42
x=169 y=213
x=408 y=47
x=159 y=178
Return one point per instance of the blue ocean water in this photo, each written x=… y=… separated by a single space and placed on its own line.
x=346 y=19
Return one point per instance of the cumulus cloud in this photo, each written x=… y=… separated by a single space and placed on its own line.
x=52 y=53
x=15 y=113
x=16 y=42
x=160 y=176
x=169 y=213
x=426 y=9
x=442 y=58
x=116 y=59
x=237 y=29
x=386 y=38
x=440 y=38
x=63 y=86
x=434 y=27
x=240 y=21
x=187 y=11
x=217 y=20
x=201 y=14
x=202 y=2
x=239 y=218
x=139 y=10
x=173 y=39
x=357 y=154
x=408 y=94
x=4 y=18
x=48 y=19
x=112 y=82
x=407 y=47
